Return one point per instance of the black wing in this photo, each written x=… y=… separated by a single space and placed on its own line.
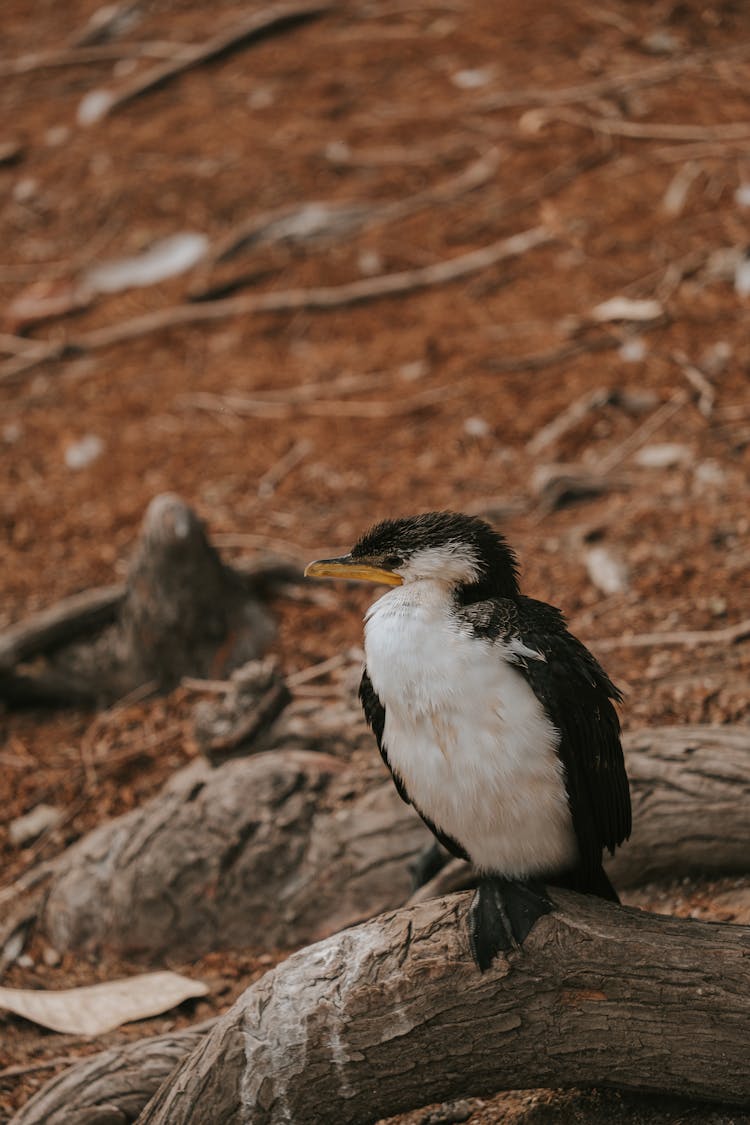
x=578 y=696
x=375 y=715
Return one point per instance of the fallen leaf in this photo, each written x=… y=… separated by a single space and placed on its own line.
x=101 y=1007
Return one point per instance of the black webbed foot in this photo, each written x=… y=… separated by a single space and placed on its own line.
x=427 y=863
x=502 y=914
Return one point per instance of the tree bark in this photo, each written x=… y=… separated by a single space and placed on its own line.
x=112 y=1087
x=394 y=1015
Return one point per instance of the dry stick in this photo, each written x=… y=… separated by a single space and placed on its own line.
x=696 y=378
x=642 y=433
x=616 y=83
x=82 y=56
x=16 y=345
x=614 y=127
x=275 y=474
x=729 y=635
x=568 y=418
x=538 y=360
x=288 y=300
x=31 y=1068
x=397 y=407
x=268 y=21
x=349 y=218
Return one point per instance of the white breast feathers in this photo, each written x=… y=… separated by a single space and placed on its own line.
x=473 y=745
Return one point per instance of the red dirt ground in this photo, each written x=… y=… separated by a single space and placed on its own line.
x=638 y=182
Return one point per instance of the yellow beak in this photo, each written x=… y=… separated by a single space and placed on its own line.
x=347 y=567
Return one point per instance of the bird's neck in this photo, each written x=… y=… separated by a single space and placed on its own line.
x=425 y=597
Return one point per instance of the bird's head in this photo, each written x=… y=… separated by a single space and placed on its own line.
x=462 y=551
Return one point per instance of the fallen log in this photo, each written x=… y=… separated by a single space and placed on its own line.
x=283 y=847
x=394 y=1015
x=111 y=1087
x=271 y=851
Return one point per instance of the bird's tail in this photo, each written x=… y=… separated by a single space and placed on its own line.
x=588 y=883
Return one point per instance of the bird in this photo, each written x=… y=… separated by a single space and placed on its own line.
x=496 y=723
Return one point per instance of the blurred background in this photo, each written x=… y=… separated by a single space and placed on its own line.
x=310 y=265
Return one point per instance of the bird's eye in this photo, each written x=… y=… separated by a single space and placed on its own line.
x=390 y=562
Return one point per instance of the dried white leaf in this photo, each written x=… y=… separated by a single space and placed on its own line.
x=662 y=455
x=164 y=259
x=98 y=1008
x=607 y=572
x=625 y=308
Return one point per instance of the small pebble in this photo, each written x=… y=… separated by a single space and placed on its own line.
x=94 y=106
x=471 y=79
x=476 y=427
x=632 y=350
x=81 y=453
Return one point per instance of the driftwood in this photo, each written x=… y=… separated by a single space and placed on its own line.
x=394 y=1015
x=286 y=846
x=112 y=1087
x=180 y=612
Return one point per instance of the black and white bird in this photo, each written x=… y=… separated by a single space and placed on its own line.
x=496 y=723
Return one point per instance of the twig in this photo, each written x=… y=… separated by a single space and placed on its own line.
x=613 y=84
x=16 y=345
x=252 y=29
x=255 y=408
x=731 y=634
x=650 y=131
x=275 y=474
x=315 y=671
x=212 y=687
x=567 y=419
x=621 y=452
x=287 y=300
x=31 y=1068
x=82 y=56
x=327 y=221
x=538 y=360
x=696 y=378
